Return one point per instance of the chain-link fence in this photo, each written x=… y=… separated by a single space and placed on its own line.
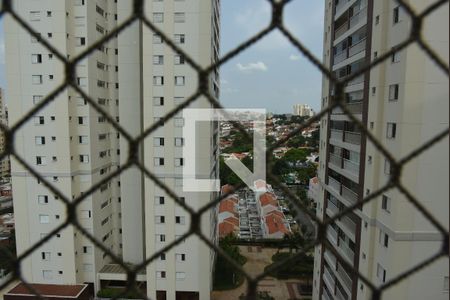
x=276 y=24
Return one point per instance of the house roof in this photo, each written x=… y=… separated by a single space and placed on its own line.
x=232 y=220
x=228 y=204
x=268 y=198
x=226 y=228
x=277 y=213
x=315 y=180
x=49 y=290
x=227 y=188
x=274 y=224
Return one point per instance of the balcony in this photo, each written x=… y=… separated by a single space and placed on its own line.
x=351 y=166
x=349 y=194
x=334 y=184
x=338 y=9
x=348 y=223
x=344 y=278
x=333 y=209
x=352 y=137
x=340 y=296
x=346 y=252
x=325 y=295
x=340 y=57
x=330 y=258
x=357 y=80
x=328 y=279
x=336 y=134
x=332 y=234
x=357 y=48
x=355 y=107
x=358 y=17
x=341 y=30
x=335 y=160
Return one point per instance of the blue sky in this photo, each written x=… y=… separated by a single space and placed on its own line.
x=271 y=74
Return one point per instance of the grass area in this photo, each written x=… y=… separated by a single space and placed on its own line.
x=116 y=292
x=225 y=276
x=302 y=267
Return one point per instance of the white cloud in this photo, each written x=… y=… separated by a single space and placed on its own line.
x=248 y=68
x=294 y=57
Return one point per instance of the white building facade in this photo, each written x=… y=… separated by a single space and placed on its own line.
x=303 y=110
x=404 y=103
x=72 y=146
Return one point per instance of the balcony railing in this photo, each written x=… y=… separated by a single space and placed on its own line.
x=357 y=80
x=330 y=258
x=333 y=208
x=349 y=194
x=355 y=107
x=335 y=160
x=334 y=184
x=351 y=226
x=345 y=279
x=336 y=134
x=340 y=57
x=329 y=281
x=352 y=137
x=351 y=166
x=325 y=295
x=341 y=30
x=356 y=48
x=332 y=234
x=340 y=6
x=360 y=15
x=346 y=251
x=340 y=296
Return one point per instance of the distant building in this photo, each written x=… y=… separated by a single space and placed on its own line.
x=313 y=189
x=303 y=110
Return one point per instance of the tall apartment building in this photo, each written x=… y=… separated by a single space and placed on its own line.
x=303 y=110
x=153 y=81
x=73 y=146
x=404 y=103
x=5 y=168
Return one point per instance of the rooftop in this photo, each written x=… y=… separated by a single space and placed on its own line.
x=49 y=290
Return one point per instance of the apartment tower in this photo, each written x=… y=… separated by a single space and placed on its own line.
x=5 y=168
x=73 y=147
x=404 y=103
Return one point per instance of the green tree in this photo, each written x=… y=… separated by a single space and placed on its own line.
x=304 y=174
x=294 y=155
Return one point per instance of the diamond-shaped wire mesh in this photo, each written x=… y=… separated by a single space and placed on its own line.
x=276 y=23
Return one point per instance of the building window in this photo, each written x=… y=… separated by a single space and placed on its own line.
x=386 y=203
x=158 y=161
x=179 y=162
x=381 y=273
x=393 y=92
x=157 y=39
x=387 y=167
x=180 y=220
x=383 y=238
x=158 y=101
x=158 y=141
x=160 y=274
x=84 y=158
x=159 y=200
x=179 y=59
x=39 y=120
x=160 y=219
x=37 y=98
x=179 y=142
x=83 y=139
x=446 y=283
x=158 y=59
x=179 y=122
x=44 y=219
x=179 y=17
x=41 y=160
x=87 y=249
x=85 y=214
x=180 y=257
x=47 y=274
x=42 y=199
x=80 y=41
x=374 y=90
x=158 y=17
x=391 y=130
x=179 y=38
x=36 y=79
x=161 y=237
x=395 y=57
x=396 y=15
x=162 y=256
x=377 y=20
x=35 y=15
x=369 y=160
x=180 y=275
x=40 y=140
x=36 y=58
x=82 y=81
x=180 y=80
x=158 y=80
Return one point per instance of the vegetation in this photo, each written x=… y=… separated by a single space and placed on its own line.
x=226 y=277
x=8 y=254
x=300 y=267
x=117 y=292
x=259 y=296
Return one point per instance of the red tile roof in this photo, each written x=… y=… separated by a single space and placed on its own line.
x=232 y=220
x=275 y=224
x=227 y=204
x=228 y=188
x=268 y=198
x=226 y=228
x=259 y=184
x=49 y=290
x=277 y=213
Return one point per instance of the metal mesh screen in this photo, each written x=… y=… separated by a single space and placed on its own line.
x=276 y=24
